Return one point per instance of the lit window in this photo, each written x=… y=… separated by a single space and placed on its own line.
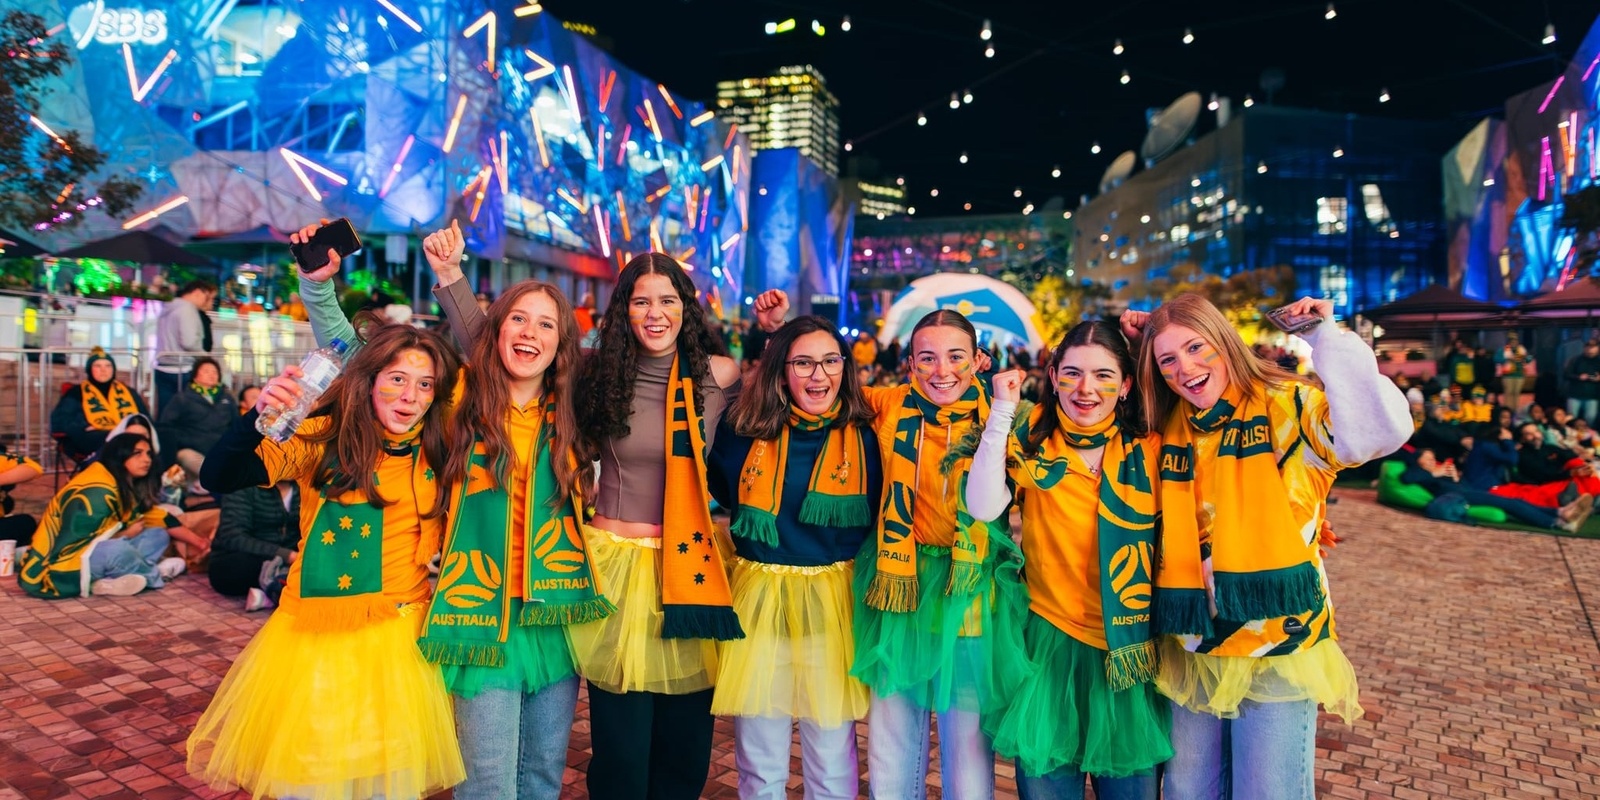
x=1331 y=215
x=1377 y=211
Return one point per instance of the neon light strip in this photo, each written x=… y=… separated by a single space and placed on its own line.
x=737 y=161
x=605 y=238
x=455 y=124
x=1594 y=157
x=1552 y=95
x=650 y=111
x=140 y=90
x=490 y=42
x=1569 y=145
x=38 y=123
x=216 y=21
x=544 y=68
x=572 y=95
x=622 y=211
x=702 y=119
x=538 y=136
x=599 y=146
x=692 y=197
x=497 y=157
x=394 y=171
x=686 y=254
x=658 y=194
x=295 y=161
x=482 y=182
x=710 y=165
x=606 y=86
x=705 y=210
x=1546 y=169
x=732 y=240
x=567 y=196
x=155 y=212
x=670 y=104
x=622 y=146
x=528 y=10
x=410 y=23
x=65 y=190
x=655 y=237
x=1592 y=65
x=728 y=142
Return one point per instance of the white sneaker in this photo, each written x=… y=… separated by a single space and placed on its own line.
x=257 y=600
x=124 y=586
x=169 y=568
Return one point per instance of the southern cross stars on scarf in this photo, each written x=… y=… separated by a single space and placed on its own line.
x=1126 y=531
x=1262 y=565
x=696 y=601
x=471 y=613
x=894 y=588
x=836 y=495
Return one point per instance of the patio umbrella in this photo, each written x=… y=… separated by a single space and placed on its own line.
x=1434 y=304
x=1579 y=300
x=141 y=247
x=993 y=307
x=14 y=246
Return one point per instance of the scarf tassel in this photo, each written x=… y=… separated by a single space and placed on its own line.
x=679 y=621
x=463 y=653
x=591 y=610
x=837 y=511
x=1182 y=612
x=328 y=614
x=965 y=577
x=1127 y=667
x=756 y=525
x=1288 y=591
x=893 y=593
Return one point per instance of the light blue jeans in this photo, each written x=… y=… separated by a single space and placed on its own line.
x=827 y=758
x=1585 y=410
x=514 y=745
x=898 y=748
x=135 y=555
x=1067 y=784
x=1268 y=752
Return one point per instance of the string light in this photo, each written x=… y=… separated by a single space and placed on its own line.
x=848 y=146
x=1195 y=182
x=967 y=98
x=963 y=156
x=987 y=33
x=1095 y=148
x=922 y=119
x=1056 y=171
x=1188 y=36
x=1261 y=168
x=912 y=210
x=845 y=25
x=1027 y=209
x=1066 y=215
x=1125 y=78
x=966 y=206
x=933 y=192
x=1383 y=97
x=1549 y=33
x=955 y=101
x=1330 y=13
x=1017 y=192
x=1213 y=105
x=1116 y=48
x=900 y=181
x=1338 y=152
x=1248 y=101
x=988 y=52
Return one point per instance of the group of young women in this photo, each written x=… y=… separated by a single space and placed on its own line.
x=869 y=572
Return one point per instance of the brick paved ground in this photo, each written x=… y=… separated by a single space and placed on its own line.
x=1477 y=660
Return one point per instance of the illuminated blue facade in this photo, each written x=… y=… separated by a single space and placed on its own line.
x=401 y=115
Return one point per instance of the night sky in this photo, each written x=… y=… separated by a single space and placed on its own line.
x=1052 y=88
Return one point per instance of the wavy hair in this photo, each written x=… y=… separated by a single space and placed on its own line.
x=487 y=398
x=1196 y=313
x=1091 y=333
x=354 y=438
x=608 y=373
x=762 y=410
x=142 y=493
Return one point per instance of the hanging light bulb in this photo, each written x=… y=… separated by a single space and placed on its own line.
x=933 y=192
x=987 y=33
x=900 y=181
x=922 y=119
x=845 y=25
x=1549 y=33
x=1248 y=102
x=963 y=156
x=955 y=101
x=1213 y=105
x=1188 y=36
x=1125 y=78
x=966 y=206
x=1330 y=13
x=848 y=146
x=1338 y=152
x=1383 y=97
x=912 y=211
x=1017 y=192
x=1095 y=148
x=967 y=98
x=1116 y=48
x=1261 y=168
x=1195 y=182
x=1056 y=171
x=988 y=52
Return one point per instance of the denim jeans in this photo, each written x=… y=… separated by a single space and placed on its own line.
x=1067 y=784
x=514 y=745
x=135 y=555
x=827 y=758
x=1586 y=410
x=898 y=749
x=1267 y=753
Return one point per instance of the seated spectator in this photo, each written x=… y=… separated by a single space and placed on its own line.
x=196 y=417
x=1584 y=435
x=1535 y=414
x=1538 y=461
x=1439 y=434
x=1491 y=461
x=87 y=412
x=1441 y=479
x=97 y=530
x=133 y=423
x=260 y=527
x=1477 y=409
x=16 y=469
x=1562 y=435
x=1581 y=480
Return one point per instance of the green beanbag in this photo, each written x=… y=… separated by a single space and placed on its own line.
x=1395 y=493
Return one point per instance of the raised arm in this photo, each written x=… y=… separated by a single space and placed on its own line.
x=987 y=494
x=443 y=249
x=1368 y=415
x=322 y=301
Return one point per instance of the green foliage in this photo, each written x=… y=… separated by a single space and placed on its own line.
x=1244 y=297
x=1062 y=304
x=34 y=168
x=96 y=276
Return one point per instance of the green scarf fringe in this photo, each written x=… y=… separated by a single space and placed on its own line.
x=964 y=578
x=967 y=445
x=755 y=525
x=700 y=622
x=839 y=511
x=595 y=608
x=1244 y=596
x=1127 y=667
x=893 y=593
x=463 y=653
x=1182 y=611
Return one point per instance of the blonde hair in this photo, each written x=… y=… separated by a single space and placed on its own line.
x=1196 y=313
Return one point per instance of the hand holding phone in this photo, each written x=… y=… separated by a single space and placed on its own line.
x=311 y=244
x=1285 y=320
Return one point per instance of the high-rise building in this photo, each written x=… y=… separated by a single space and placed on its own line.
x=789 y=108
x=873 y=199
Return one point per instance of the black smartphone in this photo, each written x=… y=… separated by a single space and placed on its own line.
x=1292 y=323
x=339 y=235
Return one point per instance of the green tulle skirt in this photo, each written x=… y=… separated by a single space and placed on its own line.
x=964 y=652
x=1065 y=713
x=536 y=656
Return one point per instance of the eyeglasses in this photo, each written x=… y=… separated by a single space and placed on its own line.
x=805 y=367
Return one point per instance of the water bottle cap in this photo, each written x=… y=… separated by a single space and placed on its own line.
x=338 y=346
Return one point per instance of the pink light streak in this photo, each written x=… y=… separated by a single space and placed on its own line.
x=394 y=171
x=1546 y=169
x=1552 y=95
x=1592 y=65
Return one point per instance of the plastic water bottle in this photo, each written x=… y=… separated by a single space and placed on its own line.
x=318 y=369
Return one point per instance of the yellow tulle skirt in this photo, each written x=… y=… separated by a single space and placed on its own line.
x=342 y=715
x=625 y=652
x=1216 y=685
x=794 y=659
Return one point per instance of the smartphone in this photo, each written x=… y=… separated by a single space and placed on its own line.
x=1292 y=323
x=339 y=235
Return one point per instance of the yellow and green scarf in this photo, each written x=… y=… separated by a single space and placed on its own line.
x=696 y=601
x=341 y=570
x=105 y=410
x=836 y=496
x=894 y=587
x=1128 y=528
x=471 y=613
x=1261 y=566
x=208 y=392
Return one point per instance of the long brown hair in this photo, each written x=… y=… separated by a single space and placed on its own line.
x=762 y=410
x=487 y=398
x=356 y=437
x=609 y=372
x=1091 y=333
x=1196 y=313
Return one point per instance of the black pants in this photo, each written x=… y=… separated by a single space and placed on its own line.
x=235 y=574
x=18 y=527
x=649 y=746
